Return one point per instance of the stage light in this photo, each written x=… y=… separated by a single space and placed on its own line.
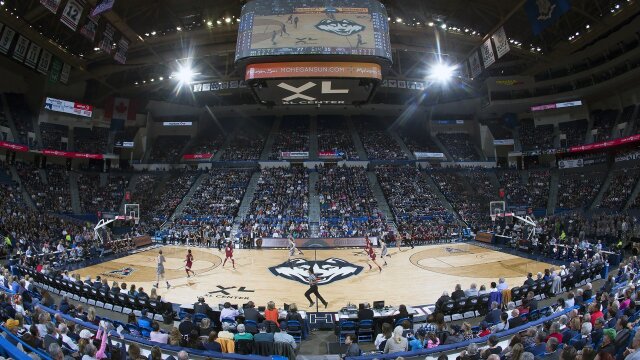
x=227 y=20
x=219 y=22
x=209 y=23
x=179 y=28
x=160 y=78
x=96 y=49
x=430 y=23
x=442 y=72
x=444 y=26
x=184 y=75
x=153 y=33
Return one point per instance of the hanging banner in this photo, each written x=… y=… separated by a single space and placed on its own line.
x=64 y=74
x=501 y=42
x=32 y=55
x=544 y=13
x=52 y=5
x=107 y=38
x=72 y=14
x=104 y=6
x=488 y=57
x=121 y=54
x=20 y=50
x=6 y=39
x=45 y=61
x=90 y=28
x=56 y=68
x=569 y=164
x=474 y=63
x=13 y=147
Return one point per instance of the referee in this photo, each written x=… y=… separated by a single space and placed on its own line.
x=313 y=289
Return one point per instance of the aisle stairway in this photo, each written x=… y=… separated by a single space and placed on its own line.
x=633 y=196
x=603 y=190
x=268 y=145
x=245 y=205
x=383 y=205
x=185 y=200
x=313 y=138
x=226 y=143
x=553 y=191
x=442 y=148
x=25 y=195
x=314 y=205
x=75 y=193
x=445 y=202
x=357 y=142
x=403 y=146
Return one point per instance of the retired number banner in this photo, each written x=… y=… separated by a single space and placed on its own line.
x=7 y=38
x=474 y=63
x=72 y=14
x=501 y=42
x=20 y=50
x=488 y=58
x=32 y=55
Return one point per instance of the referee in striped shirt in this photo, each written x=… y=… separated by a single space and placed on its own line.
x=313 y=289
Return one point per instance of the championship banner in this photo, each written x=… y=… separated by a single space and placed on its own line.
x=544 y=13
x=488 y=57
x=501 y=42
x=196 y=157
x=65 y=73
x=32 y=55
x=294 y=155
x=52 y=5
x=72 y=155
x=605 y=144
x=313 y=70
x=474 y=63
x=56 y=68
x=428 y=155
x=72 y=14
x=45 y=61
x=104 y=6
x=570 y=164
x=6 y=39
x=13 y=147
x=90 y=28
x=20 y=50
x=121 y=54
x=318 y=243
x=107 y=38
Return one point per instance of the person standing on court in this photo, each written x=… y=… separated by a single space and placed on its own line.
x=160 y=269
x=313 y=289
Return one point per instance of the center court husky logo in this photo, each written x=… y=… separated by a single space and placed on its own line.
x=329 y=270
x=343 y=27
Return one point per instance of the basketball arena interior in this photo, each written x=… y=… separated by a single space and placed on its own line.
x=319 y=179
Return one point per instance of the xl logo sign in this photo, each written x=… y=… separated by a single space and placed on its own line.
x=298 y=92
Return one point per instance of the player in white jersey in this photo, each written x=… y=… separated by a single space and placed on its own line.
x=292 y=248
x=384 y=251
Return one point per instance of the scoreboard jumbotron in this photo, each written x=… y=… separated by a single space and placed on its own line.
x=313 y=52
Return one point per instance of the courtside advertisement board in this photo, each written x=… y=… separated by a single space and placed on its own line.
x=313 y=27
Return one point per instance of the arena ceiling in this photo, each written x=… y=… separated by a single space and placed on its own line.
x=163 y=31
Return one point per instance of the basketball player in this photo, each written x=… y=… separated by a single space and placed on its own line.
x=189 y=261
x=293 y=248
x=372 y=257
x=313 y=289
x=384 y=251
x=398 y=241
x=160 y=269
x=408 y=239
x=229 y=255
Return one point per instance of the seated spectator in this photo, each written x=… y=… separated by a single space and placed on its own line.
x=608 y=341
x=458 y=293
x=352 y=347
x=228 y=312
x=281 y=336
x=205 y=327
x=515 y=320
x=242 y=334
x=263 y=335
x=211 y=344
x=493 y=349
x=271 y=313
x=225 y=333
x=365 y=313
x=494 y=315
x=472 y=291
x=540 y=346
x=441 y=301
x=383 y=336
x=144 y=321
x=156 y=335
x=397 y=343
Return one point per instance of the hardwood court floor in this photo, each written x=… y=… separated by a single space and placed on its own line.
x=413 y=277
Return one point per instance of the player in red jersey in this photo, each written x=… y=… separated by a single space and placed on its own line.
x=372 y=257
x=228 y=250
x=189 y=263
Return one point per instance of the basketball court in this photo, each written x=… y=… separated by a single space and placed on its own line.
x=413 y=277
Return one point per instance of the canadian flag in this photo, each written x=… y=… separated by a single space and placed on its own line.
x=120 y=109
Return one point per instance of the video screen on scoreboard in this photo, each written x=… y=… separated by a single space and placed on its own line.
x=313 y=27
